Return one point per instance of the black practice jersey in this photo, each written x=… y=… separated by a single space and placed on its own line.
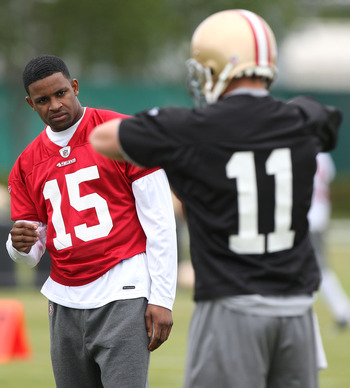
x=244 y=169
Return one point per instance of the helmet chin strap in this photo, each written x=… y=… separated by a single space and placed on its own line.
x=212 y=95
x=209 y=82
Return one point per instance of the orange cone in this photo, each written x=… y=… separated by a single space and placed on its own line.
x=13 y=335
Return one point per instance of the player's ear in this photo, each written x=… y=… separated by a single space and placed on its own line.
x=30 y=102
x=75 y=86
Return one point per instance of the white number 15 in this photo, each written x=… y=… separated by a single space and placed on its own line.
x=83 y=232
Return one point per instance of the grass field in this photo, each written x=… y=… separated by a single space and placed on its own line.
x=167 y=363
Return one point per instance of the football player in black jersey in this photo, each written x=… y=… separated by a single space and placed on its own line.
x=243 y=165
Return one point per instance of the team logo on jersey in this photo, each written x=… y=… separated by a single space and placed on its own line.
x=65 y=151
x=66 y=162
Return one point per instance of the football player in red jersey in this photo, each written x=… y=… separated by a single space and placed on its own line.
x=110 y=230
x=243 y=166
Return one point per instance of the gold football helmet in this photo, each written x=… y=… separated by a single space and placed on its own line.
x=230 y=44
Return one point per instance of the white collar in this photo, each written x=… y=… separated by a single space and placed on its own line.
x=246 y=90
x=62 y=138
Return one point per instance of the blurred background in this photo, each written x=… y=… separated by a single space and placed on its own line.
x=129 y=55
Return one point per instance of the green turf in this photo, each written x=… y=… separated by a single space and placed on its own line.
x=167 y=363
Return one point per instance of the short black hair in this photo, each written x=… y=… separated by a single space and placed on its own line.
x=41 y=67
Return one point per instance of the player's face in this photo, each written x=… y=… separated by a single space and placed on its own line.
x=55 y=100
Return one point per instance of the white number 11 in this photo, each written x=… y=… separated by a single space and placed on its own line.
x=242 y=167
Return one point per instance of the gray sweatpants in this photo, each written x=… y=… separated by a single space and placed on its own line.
x=103 y=347
x=229 y=349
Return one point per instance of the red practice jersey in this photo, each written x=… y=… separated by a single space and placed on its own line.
x=85 y=199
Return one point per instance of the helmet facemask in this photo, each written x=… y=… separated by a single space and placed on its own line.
x=201 y=83
x=196 y=77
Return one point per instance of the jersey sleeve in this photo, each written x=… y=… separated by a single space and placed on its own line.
x=135 y=172
x=151 y=137
x=323 y=120
x=22 y=207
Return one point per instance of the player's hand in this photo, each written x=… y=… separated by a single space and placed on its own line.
x=24 y=235
x=159 y=322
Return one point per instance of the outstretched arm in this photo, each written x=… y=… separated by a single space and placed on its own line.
x=105 y=140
